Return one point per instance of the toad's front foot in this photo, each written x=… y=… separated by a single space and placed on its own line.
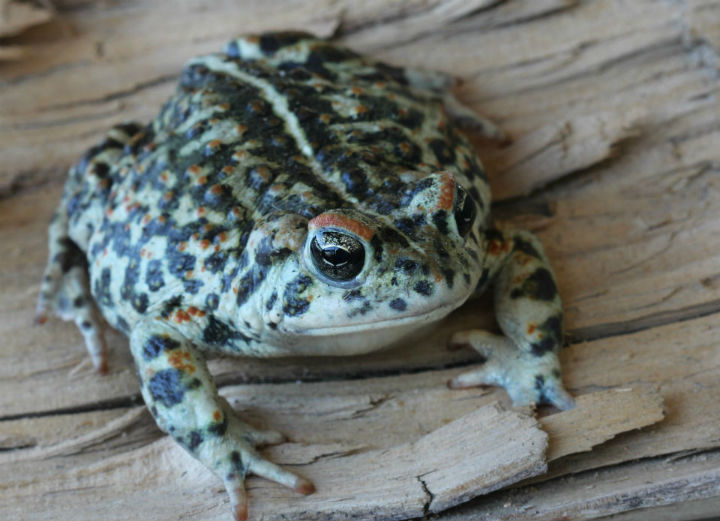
x=529 y=379
x=235 y=457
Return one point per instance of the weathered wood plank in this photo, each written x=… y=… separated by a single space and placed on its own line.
x=613 y=107
x=414 y=447
x=648 y=484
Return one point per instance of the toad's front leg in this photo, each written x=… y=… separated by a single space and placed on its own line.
x=182 y=396
x=529 y=312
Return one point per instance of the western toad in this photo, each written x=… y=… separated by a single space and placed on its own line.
x=292 y=197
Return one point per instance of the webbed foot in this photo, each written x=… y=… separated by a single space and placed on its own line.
x=528 y=379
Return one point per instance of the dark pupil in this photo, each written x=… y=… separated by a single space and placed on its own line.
x=338 y=256
x=335 y=256
x=464 y=211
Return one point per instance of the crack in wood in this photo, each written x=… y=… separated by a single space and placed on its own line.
x=114 y=96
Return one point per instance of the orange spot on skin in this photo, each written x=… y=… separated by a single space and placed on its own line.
x=227 y=169
x=531 y=329
x=204 y=244
x=241 y=129
x=182 y=246
x=361 y=109
x=181 y=360
x=147 y=218
x=216 y=189
x=325 y=118
x=496 y=247
x=162 y=219
x=202 y=180
x=168 y=196
x=337 y=220
x=201 y=210
x=194 y=169
x=222 y=236
x=215 y=143
x=217 y=416
x=380 y=84
x=447 y=193
x=356 y=90
x=224 y=106
x=405 y=147
x=181 y=316
x=189 y=274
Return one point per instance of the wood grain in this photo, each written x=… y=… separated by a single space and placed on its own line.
x=614 y=114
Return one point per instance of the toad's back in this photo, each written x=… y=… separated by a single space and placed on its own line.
x=294 y=198
x=277 y=123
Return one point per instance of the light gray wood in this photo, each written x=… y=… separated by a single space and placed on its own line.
x=613 y=110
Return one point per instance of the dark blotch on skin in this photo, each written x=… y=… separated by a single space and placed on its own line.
x=219 y=429
x=166 y=387
x=271 y=301
x=154 y=276
x=170 y=306
x=439 y=219
x=70 y=255
x=180 y=264
x=140 y=302
x=538 y=286
x=217 y=332
x=407 y=265
x=551 y=330
x=102 y=288
x=423 y=287
x=157 y=344
x=398 y=304
x=442 y=151
x=195 y=439
x=540 y=388
x=212 y=301
x=293 y=304
x=526 y=248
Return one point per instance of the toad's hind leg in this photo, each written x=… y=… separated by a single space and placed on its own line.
x=65 y=288
x=463 y=116
x=529 y=312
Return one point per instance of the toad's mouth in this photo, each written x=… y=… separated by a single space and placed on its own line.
x=402 y=322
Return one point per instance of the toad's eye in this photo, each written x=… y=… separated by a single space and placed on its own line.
x=338 y=256
x=464 y=211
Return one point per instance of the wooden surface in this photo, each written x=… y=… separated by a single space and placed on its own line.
x=615 y=164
